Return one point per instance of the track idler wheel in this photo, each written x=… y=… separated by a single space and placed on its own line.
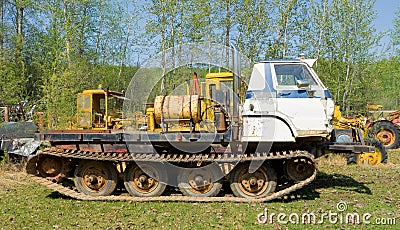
x=96 y=178
x=52 y=168
x=200 y=182
x=299 y=169
x=143 y=180
x=257 y=184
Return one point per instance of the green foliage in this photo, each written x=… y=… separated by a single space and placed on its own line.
x=3 y=157
x=10 y=87
x=253 y=25
x=387 y=72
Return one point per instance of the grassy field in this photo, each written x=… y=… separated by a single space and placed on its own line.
x=372 y=192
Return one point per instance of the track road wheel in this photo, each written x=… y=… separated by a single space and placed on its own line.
x=200 y=182
x=299 y=169
x=253 y=185
x=96 y=178
x=387 y=133
x=378 y=156
x=144 y=181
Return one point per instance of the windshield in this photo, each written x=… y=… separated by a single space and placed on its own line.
x=288 y=74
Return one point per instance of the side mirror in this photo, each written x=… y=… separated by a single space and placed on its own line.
x=302 y=83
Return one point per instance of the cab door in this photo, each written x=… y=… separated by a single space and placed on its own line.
x=299 y=97
x=84 y=111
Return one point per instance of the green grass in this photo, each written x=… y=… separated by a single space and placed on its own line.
x=373 y=190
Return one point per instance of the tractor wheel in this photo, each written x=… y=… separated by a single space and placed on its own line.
x=387 y=133
x=200 y=182
x=378 y=156
x=96 y=178
x=253 y=185
x=143 y=180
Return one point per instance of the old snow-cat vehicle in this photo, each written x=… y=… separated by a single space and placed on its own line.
x=260 y=135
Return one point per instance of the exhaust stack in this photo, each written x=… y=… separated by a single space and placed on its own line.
x=236 y=90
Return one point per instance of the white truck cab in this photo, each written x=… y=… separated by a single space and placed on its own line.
x=286 y=100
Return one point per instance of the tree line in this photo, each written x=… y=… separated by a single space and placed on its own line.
x=52 y=49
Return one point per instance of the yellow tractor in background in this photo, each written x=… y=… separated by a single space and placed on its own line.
x=387 y=130
x=99 y=109
x=358 y=127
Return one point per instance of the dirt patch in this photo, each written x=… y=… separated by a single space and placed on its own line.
x=332 y=159
x=12 y=180
x=12 y=174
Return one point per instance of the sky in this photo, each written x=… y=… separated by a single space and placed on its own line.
x=385 y=13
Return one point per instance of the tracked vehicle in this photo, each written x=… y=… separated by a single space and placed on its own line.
x=259 y=136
